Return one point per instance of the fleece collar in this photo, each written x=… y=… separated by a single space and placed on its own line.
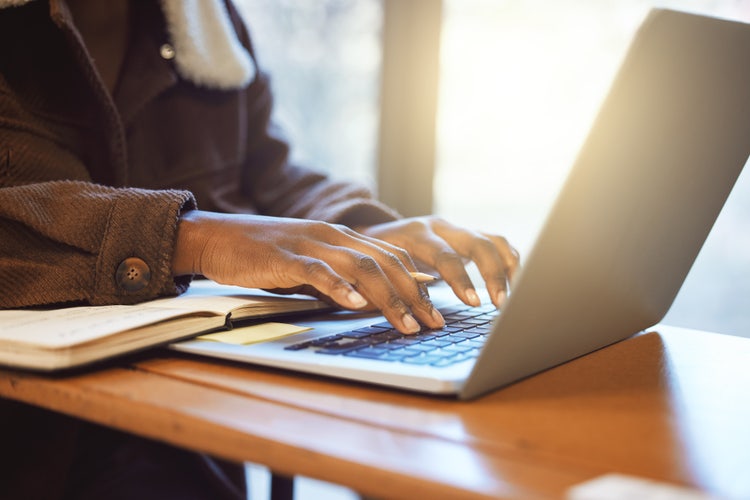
x=207 y=51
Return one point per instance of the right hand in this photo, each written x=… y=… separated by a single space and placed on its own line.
x=282 y=254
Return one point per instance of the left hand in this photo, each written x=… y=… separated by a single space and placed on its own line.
x=445 y=247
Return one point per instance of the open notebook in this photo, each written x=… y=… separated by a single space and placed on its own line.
x=53 y=339
x=661 y=158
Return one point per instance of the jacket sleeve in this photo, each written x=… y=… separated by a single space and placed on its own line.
x=64 y=241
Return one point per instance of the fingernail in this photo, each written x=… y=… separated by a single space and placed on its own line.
x=502 y=295
x=410 y=323
x=473 y=297
x=356 y=300
x=437 y=317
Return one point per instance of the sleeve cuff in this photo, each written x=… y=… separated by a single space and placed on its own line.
x=135 y=260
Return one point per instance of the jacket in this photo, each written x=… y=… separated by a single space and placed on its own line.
x=89 y=179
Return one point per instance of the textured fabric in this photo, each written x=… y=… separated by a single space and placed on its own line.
x=49 y=259
x=88 y=179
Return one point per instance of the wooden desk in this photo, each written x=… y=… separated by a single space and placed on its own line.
x=672 y=406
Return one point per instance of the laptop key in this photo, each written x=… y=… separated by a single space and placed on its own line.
x=374 y=329
x=341 y=347
x=475 y=321
x=405 y=341
x=325 y=340
x=384 y=337
x=421 y=360
x=477 y=343
x=381 y=350
x=465 y=335
x=368 y=352
x=405 y=351
x=456 y=349
x=451 y=329
x=441 y=333
x=487 y=317
x=463 y=325
x=388 y=346
x=423 y=337
x=422 y=347
x=452 y=318
x=299 y=346
x=481 y=330
x=355 y=334
x=437 y=343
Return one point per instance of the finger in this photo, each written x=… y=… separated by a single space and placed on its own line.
x=306 y=290
x=382 y=278
x=510 y=256
x=485 y=254
x=397 y=265
x=438 y=254
x=318 y=274
x=482 y=252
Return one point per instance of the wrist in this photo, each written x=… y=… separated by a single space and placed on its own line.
x=188 y=245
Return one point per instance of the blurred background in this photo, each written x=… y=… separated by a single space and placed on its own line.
x=475 y=110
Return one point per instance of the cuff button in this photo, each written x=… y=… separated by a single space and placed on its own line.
x=133 y=274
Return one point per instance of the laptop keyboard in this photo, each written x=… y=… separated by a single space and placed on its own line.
x=465 y=331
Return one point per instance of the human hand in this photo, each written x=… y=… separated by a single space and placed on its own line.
x=445 y=247
x=352 y=269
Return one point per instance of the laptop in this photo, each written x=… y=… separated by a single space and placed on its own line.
x=664 y=152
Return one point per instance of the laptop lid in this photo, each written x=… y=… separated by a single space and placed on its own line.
x=662 y=156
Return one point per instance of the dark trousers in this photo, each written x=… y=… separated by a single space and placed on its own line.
x=44 y=455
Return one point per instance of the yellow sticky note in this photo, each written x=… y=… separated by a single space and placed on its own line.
x=256 y=333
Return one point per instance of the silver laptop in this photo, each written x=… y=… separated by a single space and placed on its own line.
x=661 y=158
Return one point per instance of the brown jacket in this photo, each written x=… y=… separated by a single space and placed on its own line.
x=88 y=180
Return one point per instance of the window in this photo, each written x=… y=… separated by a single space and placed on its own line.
x=324 y=62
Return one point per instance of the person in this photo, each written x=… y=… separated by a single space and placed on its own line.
x=137 y=151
